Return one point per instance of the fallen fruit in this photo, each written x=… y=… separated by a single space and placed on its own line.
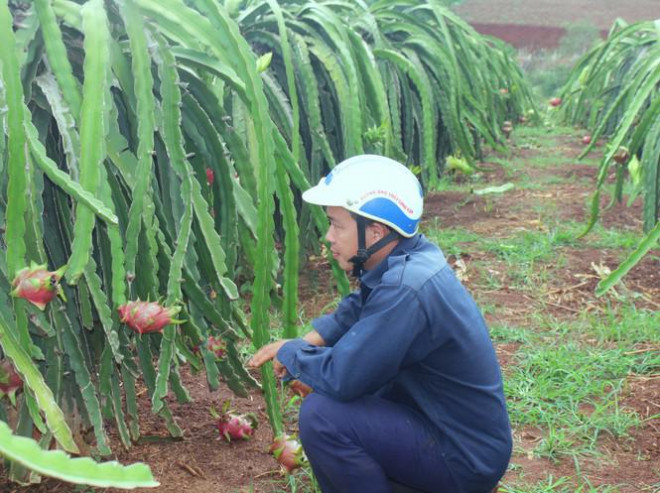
x=586 y=140
x=555 y=102
x=144 y=316
x=288 y=452
x=210 y=176
x=235 y=426
x=299 y=388
x=38 y=285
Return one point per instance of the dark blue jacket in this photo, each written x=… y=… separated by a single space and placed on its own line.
x=414 y=335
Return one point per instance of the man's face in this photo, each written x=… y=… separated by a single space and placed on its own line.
x=342 y=236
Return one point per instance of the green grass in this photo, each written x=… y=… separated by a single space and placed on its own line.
x=530 y=246
x=506 y=334
x=300 y=481
x=452 y=241
x=547 y=136
x=563 y=484
x=568 y=378
x=572 y=391
x=530 y=254
x=626 y=325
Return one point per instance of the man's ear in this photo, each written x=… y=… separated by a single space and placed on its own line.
x=378 y=230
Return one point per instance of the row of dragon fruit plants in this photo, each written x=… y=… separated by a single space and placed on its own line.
x=143 y=145
x=613 y=92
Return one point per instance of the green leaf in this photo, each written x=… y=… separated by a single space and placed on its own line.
x=57 y=54
x=35 y=381
x=290 y=77
x=16 y=150
x=83 y=470
x=64 y=181
x=495 y=189
x=648 y=242
x=92 y=132
x=141 y=210
x=74 y=349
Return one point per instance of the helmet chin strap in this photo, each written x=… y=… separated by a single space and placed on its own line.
x=364 y=253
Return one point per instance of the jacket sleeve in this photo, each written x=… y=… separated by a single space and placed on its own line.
x=334 y=325
x=368 y=355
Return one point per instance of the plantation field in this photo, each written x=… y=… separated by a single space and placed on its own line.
x=582 y=373
x=153 y=154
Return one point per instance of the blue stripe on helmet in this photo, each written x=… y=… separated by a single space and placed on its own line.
x=329 y=178
x=387 y=210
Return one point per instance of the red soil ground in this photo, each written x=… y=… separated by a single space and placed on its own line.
x=540 y=24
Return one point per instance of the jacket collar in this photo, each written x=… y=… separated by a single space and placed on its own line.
x=372 y=277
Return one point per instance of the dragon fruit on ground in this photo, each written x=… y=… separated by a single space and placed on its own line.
x=235 y=426
x=38 y=285
x=147 y=316
x=288 y=451
x=10 y=381
x=299 y=388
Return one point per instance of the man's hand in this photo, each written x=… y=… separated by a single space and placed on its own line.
x=268 y=353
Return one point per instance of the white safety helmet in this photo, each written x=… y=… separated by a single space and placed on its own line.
x=374 y=187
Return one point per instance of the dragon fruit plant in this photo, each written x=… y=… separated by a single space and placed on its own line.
x=234 y=426
x=147 y=316
x=288 y=451
x=38 y=285
x=10 y=381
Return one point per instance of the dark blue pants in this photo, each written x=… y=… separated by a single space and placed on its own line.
x=359 y=446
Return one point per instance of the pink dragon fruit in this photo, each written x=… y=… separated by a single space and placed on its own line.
x=288 y=451
x=214 y=344
x=10 y=381
x=232 y=426
x=38 y=285
x=144 y=316
x=217 y=346
x=235 y=426
x=210 y=176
